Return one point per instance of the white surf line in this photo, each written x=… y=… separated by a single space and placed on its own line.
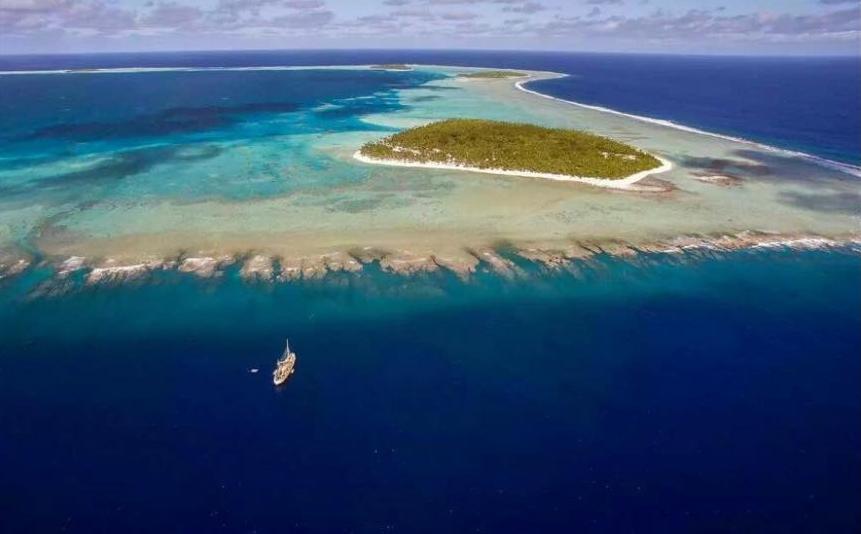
x=823 y=162
x=621 y=183
x=133 y=70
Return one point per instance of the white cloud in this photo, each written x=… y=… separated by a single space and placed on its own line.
x=454 y=22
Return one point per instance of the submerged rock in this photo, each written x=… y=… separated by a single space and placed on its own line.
x=291 y=269
x=112 y=272
x=313 y=268
x=723 y=180
x=497 y=263
x=408 y=263
x=13 y=268
x=258 y=267
x=316 y=268
x=463 y=266
x=204 y=267
x=341 y=262
x=70 y=265
x=549 y=259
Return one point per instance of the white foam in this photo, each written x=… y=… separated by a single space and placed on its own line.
x=799 y=243
x=71 y=264
x=132 y=70
x=823 y=162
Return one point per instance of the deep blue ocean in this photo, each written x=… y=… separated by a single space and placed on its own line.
x=809 y=104
x=652 y=395
x=662 y=393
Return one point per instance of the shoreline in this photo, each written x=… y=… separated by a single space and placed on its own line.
x=625 y=183
x=846 y=168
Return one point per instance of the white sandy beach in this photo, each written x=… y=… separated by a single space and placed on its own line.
x=621 y=183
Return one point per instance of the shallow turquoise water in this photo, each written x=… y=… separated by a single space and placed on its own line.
x=225 y=136
x=182 y=135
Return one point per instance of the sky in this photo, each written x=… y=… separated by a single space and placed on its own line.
x=758 y=27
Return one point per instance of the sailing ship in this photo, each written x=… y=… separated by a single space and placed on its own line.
x=284 y=367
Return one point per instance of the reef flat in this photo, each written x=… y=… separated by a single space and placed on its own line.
x=268 y=182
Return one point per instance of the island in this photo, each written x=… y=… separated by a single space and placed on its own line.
x=493 y=74
x=516 y=149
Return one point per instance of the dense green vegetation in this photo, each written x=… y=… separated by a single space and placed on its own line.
x=392 y=66
x=512 y=146
x=493 y=74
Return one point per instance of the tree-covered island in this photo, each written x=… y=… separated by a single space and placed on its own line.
x=507 y=146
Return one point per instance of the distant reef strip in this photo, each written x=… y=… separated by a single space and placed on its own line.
x=515 y=149
x=493 y=74
x=391 y=66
